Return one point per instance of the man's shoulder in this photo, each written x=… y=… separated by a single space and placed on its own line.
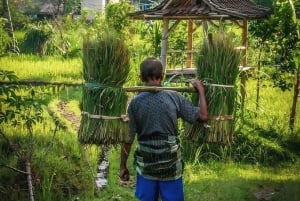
x=138 y=97
x=170 y=91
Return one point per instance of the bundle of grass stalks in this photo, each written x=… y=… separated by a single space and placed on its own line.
x=218 y=62
x=105 y=70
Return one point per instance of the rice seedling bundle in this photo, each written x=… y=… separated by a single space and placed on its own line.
x=104 y=101
x=218 y=62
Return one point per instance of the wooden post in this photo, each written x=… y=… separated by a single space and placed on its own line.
x=244 y=60
x=164 y=43
x=190 y=44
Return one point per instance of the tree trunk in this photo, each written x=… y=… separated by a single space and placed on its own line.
x=29 y=181
x=258 y=78
x=295 y=98
x=9 y=25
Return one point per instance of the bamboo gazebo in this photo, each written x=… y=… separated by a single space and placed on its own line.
x=171 y=12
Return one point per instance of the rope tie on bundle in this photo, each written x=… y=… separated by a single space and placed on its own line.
x=96 y=85
x=123 y=117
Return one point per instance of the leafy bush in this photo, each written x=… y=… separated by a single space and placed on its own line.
x=59 y=166
x=39 y=39
x=250 y=146
x=4 y=38
x=116 y=16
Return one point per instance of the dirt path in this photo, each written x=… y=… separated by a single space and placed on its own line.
x=69 y=115
x=101 y=178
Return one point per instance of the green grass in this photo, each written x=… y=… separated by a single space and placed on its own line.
x=231 y=181
x=52 y=69
x=61 y=166
x=274 y=107
x=216 y=181
x=66 y=169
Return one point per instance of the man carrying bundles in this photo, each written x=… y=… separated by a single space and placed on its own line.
x=154 y=122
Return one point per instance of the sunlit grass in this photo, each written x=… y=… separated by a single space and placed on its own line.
x=213 y=170
x=274 y=107
x=73 y=106
x=216 y=181
x=35 y=68
x=231 y=181
x=59 y=160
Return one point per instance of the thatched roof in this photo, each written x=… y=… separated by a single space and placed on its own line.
x=204 y=9
x=50 y=9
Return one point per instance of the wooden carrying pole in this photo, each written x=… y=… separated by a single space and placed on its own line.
x=157 y=89
x=179 y=89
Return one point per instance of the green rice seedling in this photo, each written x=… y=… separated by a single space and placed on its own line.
x=47 y=68
x=218 y=62
x=105 y=70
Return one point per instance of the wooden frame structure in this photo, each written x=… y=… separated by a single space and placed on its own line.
x=237 y=11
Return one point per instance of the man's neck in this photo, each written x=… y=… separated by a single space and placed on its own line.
x=153 y=83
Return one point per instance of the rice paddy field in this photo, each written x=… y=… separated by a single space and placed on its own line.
x=262 y=164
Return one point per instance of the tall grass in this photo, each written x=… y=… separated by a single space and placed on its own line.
x=260 y=136
x=274 y=108
x=218 y=63
x=61 y=167
x=106 y=64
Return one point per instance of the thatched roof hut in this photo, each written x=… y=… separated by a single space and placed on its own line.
x=237 y=11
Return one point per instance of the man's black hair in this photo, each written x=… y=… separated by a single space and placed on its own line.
x=151 y=68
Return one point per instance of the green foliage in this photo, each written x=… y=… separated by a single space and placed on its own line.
x=105 y=58
x=217 y=62
x=260 y=137
x=71 y=6
x=279 y=38
x=4 y=38
x=19 y=110
x=18 y=18
x=106 y=63
x=59 y=163
x=253 y=148
x=116 y=16
x=261 y=140
x=151 y=31
x=39 y=39
x=178 y=44
x=297 y=8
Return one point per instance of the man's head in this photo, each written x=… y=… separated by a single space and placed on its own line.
x=151 y=69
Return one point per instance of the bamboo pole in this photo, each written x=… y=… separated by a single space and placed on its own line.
x=189 y=44
x=164 y=43
x=157 y=89
x=127 y=89
x=179 y=89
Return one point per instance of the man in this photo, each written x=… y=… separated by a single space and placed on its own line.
x=153 y=120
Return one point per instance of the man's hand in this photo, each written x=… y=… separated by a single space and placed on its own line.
x=203 y=115
x=197 y=84
x=124 y=174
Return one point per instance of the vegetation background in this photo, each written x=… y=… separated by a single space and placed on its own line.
x=39 y=122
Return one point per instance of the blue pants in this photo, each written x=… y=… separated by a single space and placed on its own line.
x=150 y=190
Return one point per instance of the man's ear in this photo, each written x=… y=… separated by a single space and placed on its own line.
x=141 y=78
